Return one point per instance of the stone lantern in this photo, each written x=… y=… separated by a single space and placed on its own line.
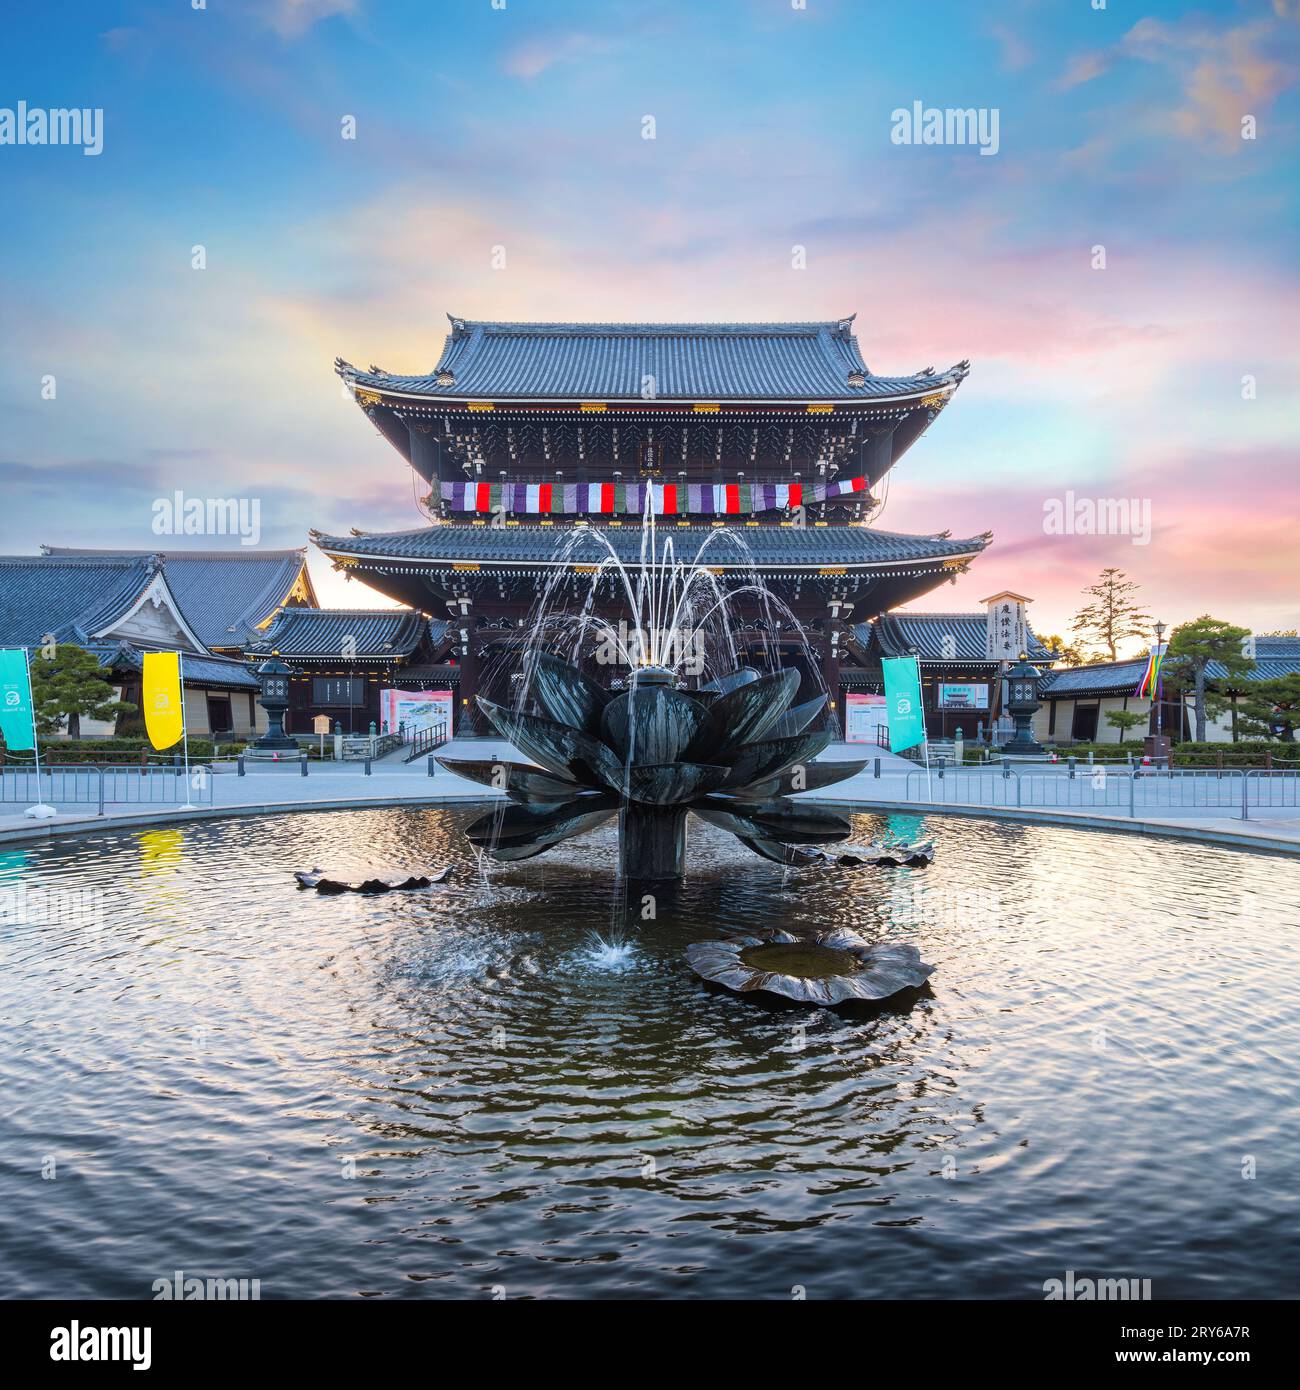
x=274 y=699
x=1022 y=704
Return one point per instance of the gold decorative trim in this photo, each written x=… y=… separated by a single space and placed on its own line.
x=368 y=397
x=593 y=407
x=706 y=407
x=820 y=409
x=480 y=405
x=935 y=402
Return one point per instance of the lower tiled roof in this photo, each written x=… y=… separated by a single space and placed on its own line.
x=781 y=546
x=196 y=670
x=960 y=637
x=1274 y=657
x=1105 y=678
x=326 y=633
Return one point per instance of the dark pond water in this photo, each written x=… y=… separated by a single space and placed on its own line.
x=459 y=1090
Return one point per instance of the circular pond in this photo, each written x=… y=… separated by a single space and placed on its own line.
x=465 y=1088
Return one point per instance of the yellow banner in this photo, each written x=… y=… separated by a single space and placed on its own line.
x=162 y=698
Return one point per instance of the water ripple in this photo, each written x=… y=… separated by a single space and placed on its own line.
x=513 y=1079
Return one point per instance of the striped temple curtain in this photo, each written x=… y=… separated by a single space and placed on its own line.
x=666 y=499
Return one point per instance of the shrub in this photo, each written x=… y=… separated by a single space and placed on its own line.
x=120 y=750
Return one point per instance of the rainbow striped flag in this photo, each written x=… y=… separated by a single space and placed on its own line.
x=1152 y=683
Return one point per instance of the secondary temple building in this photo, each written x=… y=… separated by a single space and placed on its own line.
x=120 y=603
x=523 y=434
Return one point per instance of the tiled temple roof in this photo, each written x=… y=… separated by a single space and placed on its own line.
x=687 y=361
x=795 y=547
x=68 y=598
x=1274 y=657
x=1104 y=678
x=198 y=670
x=899 y=634
x=307 y=633
x=224 y=594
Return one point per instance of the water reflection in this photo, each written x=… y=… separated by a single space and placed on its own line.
x=514 y=1079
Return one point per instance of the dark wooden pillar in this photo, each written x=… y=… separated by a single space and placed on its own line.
x=831 y=656
x=468 y=720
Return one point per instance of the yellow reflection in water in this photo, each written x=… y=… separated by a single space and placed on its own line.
x=162 y=889
x=161 y=850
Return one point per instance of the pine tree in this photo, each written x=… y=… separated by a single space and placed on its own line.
x=1192 y=647
x=1113 y=615
x=1272 y=706
x=68 y=684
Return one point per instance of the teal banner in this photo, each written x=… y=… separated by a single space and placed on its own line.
x=903 y=702
x=15 y=700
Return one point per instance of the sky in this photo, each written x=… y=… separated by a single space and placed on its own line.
x=1122 y=272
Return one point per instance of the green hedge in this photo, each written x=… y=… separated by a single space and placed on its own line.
x=119 y=750
x=1108 y=752
x=1247 y=753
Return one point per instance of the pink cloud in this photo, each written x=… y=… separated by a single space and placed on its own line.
x=292 y=18
x=1083 y=68
x=534 y=56
x=1217 y=548
x=1016 y=52
x=1221 y=75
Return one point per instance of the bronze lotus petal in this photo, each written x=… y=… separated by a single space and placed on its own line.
x=518 y=832
x=744 y=714
x=652 y=724
x=673 y=783
x=568 y=695
x=711 y=690
x=831 y=967
x=793 y=856
x=518 y=780
x=769 y=757
x=789 y=822
x=566 y=752
x=797 y=718
x=809 y=777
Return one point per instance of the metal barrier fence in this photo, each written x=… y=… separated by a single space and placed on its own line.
x=1271 y=789
x=1133 y=793
x=426 y=740
x=100 y=785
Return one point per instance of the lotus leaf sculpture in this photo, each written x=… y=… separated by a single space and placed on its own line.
x=731 y=752
x=830 y=967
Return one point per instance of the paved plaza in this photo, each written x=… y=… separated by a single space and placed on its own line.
x=1200 y=806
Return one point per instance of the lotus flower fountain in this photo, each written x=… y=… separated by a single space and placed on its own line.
x=734 y=751
x=730 y=752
